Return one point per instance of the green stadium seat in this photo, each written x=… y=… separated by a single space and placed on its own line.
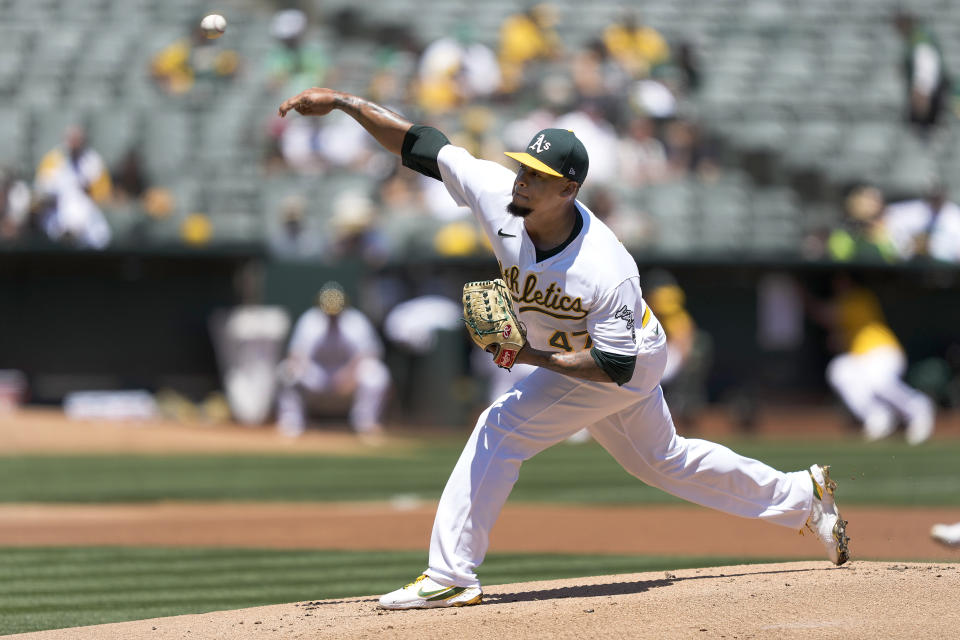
x=167 y=143
x=14 y=126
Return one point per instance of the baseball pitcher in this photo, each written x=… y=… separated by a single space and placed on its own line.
x=575 y=312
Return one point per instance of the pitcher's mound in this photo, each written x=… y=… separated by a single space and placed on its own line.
x=792 y=600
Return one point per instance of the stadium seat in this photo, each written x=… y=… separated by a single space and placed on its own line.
x=14 y=125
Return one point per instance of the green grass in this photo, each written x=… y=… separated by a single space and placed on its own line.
x=46 y=588
x=888 y=473
x=49 y=588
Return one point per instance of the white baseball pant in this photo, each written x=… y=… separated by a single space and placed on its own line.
x=870 y=385
x=634 y=425
x=372 y=383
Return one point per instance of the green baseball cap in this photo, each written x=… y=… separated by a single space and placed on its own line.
x=556 y=152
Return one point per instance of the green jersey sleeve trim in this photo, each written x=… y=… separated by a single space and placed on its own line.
x=619 y=367
x=420 y=148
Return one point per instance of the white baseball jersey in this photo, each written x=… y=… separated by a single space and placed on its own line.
x=313 y=340
x=586 y=295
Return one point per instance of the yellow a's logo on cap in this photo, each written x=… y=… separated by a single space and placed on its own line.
x=540 y=144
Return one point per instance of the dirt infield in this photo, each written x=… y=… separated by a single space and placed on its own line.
x=878 y=534
x=795 y=600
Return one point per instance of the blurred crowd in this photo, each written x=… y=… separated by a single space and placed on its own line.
x=629 y=93
x=624 y=94
x=875 y=230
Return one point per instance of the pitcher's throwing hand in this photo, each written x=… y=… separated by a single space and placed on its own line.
x=311 y=102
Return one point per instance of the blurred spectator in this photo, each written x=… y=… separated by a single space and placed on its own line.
x=643 y=158
x=637 y=47
x=926 y=227
x=654 y=98
x=455 y=70
x=688 y=152
x=688 y=68
x=557 y=94
x=334 y=354
x=311 y=145
x=925 y=73
x=291 y=64
x=589 y=121
x=293 y=239
x=178 y=67
x=15 y=202
x=632 y=227
x=133 y=195
x=596 y=75
x=524 y=38
x=437 y=86
x=129 y=178
x=863 y=235
x=354 y=230
x=476 y=134
x=867 y=372
x=74 y=183
x=398 y=193
x=689 y=349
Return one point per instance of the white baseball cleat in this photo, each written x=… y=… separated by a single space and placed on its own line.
x=922 y=424
x=825 y=520
x=424 y=593
x=879 y=424
x=948 y=534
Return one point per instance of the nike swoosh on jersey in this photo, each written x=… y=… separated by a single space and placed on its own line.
x=505 y=235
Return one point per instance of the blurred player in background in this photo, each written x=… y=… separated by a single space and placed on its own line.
x=867 y=372
x=74 y=183
x=334 y=353
x=688 y=348
x=948 y=534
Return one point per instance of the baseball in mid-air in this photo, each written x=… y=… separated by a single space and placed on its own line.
x=213 y=25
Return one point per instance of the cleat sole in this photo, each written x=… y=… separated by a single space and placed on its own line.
x=476 y=600
x=829 y=483
x=840 y=535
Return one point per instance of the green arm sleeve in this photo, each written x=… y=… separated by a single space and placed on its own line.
x=618 y=367
x=420 y=148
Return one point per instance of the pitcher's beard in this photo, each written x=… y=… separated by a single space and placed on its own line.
x=518 y=210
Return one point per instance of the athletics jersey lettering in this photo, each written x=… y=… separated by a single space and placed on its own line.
x=570 y=301
x=552 y=301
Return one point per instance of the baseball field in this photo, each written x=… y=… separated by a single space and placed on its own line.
x=165 y=530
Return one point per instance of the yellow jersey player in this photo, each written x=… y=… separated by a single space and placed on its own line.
x=867 y=372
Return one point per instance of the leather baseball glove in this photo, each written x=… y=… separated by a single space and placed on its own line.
x=491 y=321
